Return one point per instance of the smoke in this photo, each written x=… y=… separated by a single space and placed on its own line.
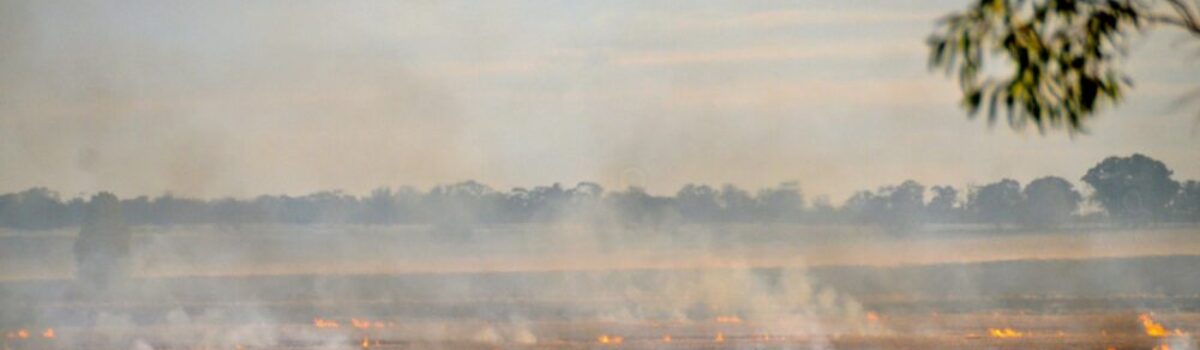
x=239 y=99
x=265 y=285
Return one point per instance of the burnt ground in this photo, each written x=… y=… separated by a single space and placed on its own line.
x=1089 y=303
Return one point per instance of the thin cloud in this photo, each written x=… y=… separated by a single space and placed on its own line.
x=788 y=18
x=769 y=53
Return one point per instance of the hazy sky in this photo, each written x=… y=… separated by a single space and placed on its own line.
x=215 y=98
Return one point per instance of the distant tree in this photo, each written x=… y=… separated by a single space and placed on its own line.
x=698 y=203
x=586 y=193
x=1134 y=189
x=944 y=206
x=782 y=203
x=895 y=208
x=1064 y=54
x=736 y=204
x=1186 y=205
x=907 y=204
x=380 y=208
x=455 y=209
x=585 y=202
x=636 y=206
x=137 y=211
x=1049 y=202
x=34 y=209
x=865 y=207
x=823 y=211
x=102 y=248
x=548 y=202
x=996 y=203
x=232 y=212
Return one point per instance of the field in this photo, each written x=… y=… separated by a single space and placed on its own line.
x=570 y=288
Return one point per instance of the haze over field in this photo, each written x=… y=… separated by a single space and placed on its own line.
x=225 y=98
x=518 y=174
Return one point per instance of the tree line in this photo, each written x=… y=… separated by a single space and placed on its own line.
x=1133 y=190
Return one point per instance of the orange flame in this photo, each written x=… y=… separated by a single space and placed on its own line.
x=1153 y=329
x=361 y=324
x=1163 y=347
x=729 y=319
x=49 y=333
x=366 y=343
x=22 y=333
x=872 y=317
x=666 y=338
x=607 y=339
x=323 y=323
x=1003 y=333
x=720 y=338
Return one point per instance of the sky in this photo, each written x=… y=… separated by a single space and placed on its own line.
x=233 y=98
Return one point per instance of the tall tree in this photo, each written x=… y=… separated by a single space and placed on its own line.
x=1064 y=53
x=996 y=203
x=944 y=205
x=1050 y=201
x=781 y=203
x=895 y=208
x=1134 y=189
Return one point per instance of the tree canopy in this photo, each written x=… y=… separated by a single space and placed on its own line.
x=1134 y=189
x=1063 y=55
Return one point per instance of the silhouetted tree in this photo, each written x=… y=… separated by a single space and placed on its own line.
x=996 y=203
x=907 y=205
x=635 y=206
x=1064 y=53
x=782 y=203
x=944 y=206
x=102 y=248
x=736 y=204
x=1050 y=201
x=1134 y=189
x=455 y=209
x=380 y=208
x=34 y=209
x=698 y=203
x=895 y=208
x=1186 y=205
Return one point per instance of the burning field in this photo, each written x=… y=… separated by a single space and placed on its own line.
x=886 y=332
x=1124 y=302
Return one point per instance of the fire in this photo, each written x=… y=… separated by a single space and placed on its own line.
x=1004 y=333
x=666 y=338
x=49 y=333
x=1163 y=347
x=872 y=317
x=323 y=323
x=720 y=337
x=1153 y=329
x=22 y=333
x=729 y=319
x=360 y=323
x=366 y=343
x=607 y=339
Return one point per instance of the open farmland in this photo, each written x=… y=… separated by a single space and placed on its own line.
x=400 y=290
